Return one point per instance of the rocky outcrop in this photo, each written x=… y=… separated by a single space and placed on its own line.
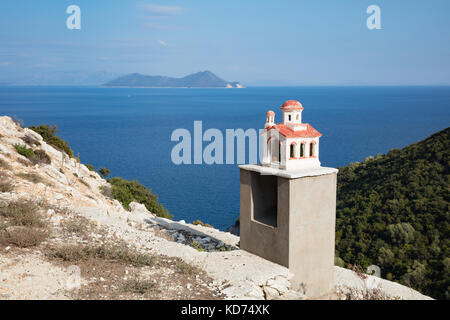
x=235 y=228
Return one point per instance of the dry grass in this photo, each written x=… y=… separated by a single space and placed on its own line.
x=375 y=294
x=62 y=211
x=6 y=184
x=19 y=122
x=117 y=272
x=197 y=246
x=5 y=165
x=33 y=177
x=84 y=183
x=77 y=225
x=29 y=140
x=359 y=271
x=139 y=286
x=106 y=190
x=41 y=157
x=349 y=293
x=24 y=213
x=119 y=253
x=72 y=253
x=24 y=162
x=23 y=224
x=201 y=223
x=23 y=237
x=186 y=268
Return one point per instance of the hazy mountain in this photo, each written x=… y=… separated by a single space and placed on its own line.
x=205 y=79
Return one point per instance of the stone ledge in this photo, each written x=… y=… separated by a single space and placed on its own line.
x=290 y=174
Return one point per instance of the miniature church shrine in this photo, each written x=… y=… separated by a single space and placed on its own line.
x=290 y=145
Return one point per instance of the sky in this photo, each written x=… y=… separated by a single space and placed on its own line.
x=258 y=43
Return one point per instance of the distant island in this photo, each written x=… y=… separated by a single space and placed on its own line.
x=204 y=79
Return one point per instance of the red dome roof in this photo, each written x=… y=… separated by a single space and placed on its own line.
x=270 y=113
x=286 y=131
x=292 y=105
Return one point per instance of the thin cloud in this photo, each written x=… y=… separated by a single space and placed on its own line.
x=108 y=59
x=158 y=10
x=159 y=17
x=163 y=43
x=156 y=26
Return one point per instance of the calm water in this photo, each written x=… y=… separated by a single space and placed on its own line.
x=128 y=130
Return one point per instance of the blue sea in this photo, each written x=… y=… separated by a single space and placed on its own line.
x=128 y=130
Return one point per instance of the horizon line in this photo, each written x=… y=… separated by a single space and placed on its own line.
x=4 y=85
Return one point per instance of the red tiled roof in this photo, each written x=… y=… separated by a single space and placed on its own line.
x=292 y=105
x=284 y=130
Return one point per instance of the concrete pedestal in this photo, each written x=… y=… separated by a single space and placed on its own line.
x=289 y=217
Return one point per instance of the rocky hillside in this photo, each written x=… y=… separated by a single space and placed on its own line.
x=63 y=237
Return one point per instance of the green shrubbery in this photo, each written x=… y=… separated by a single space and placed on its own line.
x=36 y=157
x=128 y=191
x=393 y=211
x=339 y=262
x=24 y=151
x=49 y=135
x=90 y=167
x=104 y=172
